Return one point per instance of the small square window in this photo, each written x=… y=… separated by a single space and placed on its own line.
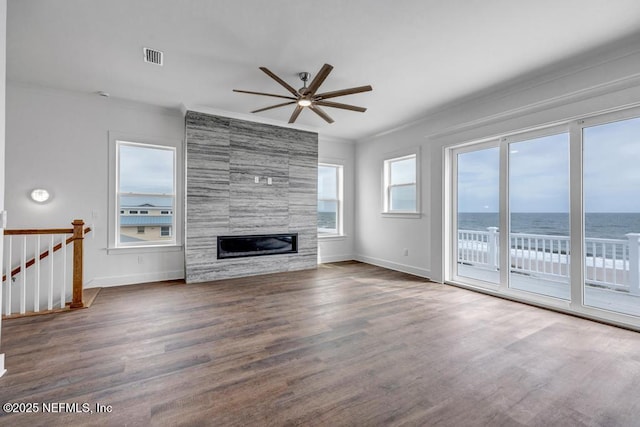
x=140 y=230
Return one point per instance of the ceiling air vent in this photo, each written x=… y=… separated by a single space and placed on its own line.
x=152 y=56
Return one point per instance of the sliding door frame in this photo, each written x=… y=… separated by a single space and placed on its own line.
x=576 y=305
x=453 y=228
x=505 y=209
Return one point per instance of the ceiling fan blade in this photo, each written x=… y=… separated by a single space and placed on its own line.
x=264 y=94
x=295 y=114
x=282 y=82
x=274 y=106
x=319 y=79
x=339 y=105
x=343 y=92
x=319 y=111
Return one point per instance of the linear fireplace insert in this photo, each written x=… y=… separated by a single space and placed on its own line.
x=257 y=245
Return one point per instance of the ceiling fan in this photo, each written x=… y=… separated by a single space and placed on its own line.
x=306 y=96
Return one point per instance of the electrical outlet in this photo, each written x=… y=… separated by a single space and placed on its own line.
x=405 y=252
x=256 y=179
x=269 y=181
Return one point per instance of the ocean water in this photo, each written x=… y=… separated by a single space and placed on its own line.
x=326 y=220
x=600 y=225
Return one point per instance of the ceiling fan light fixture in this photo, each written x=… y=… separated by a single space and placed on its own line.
x=306 y=96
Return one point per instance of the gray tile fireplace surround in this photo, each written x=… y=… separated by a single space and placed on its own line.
x=224 y=156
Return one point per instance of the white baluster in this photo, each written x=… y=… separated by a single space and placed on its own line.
x=50 y=301
x=603 y=249
x=467 y=247
x=464 y=246
x=634 y=263
x=625 y=263
x=492 y=248
x=36 y=293
x=614 y=270
x=595 y=260
x=9 y=282
x=23 y=274
x=566 y=258
x=536 y=265
x=545 y=261
x=63 y=285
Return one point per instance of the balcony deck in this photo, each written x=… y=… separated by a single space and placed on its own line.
x=607 y=299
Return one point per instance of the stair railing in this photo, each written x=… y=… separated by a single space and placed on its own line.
x=55 y=291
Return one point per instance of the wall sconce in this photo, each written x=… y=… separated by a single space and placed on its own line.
x=40 y=195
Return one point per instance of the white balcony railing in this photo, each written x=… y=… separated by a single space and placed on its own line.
x=609 y=263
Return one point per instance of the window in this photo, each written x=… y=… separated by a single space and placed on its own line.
x=330 y=199
x=145 y=177
x=400 y=185
x=164 y=212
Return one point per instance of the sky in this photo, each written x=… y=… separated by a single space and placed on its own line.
x=539 y=173
x=327 y=188
x=327 y=185
x=146 y=170
x=403 y=171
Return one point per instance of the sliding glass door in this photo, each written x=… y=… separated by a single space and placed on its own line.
x=477 y=219
x=552 y=216
x=611 y=158
x=539 y=238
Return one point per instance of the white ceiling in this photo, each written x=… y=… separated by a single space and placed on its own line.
x=417 y=54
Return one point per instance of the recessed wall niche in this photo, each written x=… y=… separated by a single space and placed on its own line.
x=224 y=157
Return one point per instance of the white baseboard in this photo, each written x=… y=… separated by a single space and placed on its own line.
x=131 y=279
x=416 y=271
x=2 y=370
x=335 y=258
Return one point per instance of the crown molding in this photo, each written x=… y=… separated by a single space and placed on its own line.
x=594 y=61
x=549 y=103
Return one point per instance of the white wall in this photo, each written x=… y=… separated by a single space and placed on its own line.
x=382 y=240
x=595 y=82
x=332 y=249
x=3 y=68
x=59 y=140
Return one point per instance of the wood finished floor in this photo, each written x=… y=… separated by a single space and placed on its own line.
x=347 y=344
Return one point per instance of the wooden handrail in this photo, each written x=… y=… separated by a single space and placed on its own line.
x=38 y=231
x=44 y=254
